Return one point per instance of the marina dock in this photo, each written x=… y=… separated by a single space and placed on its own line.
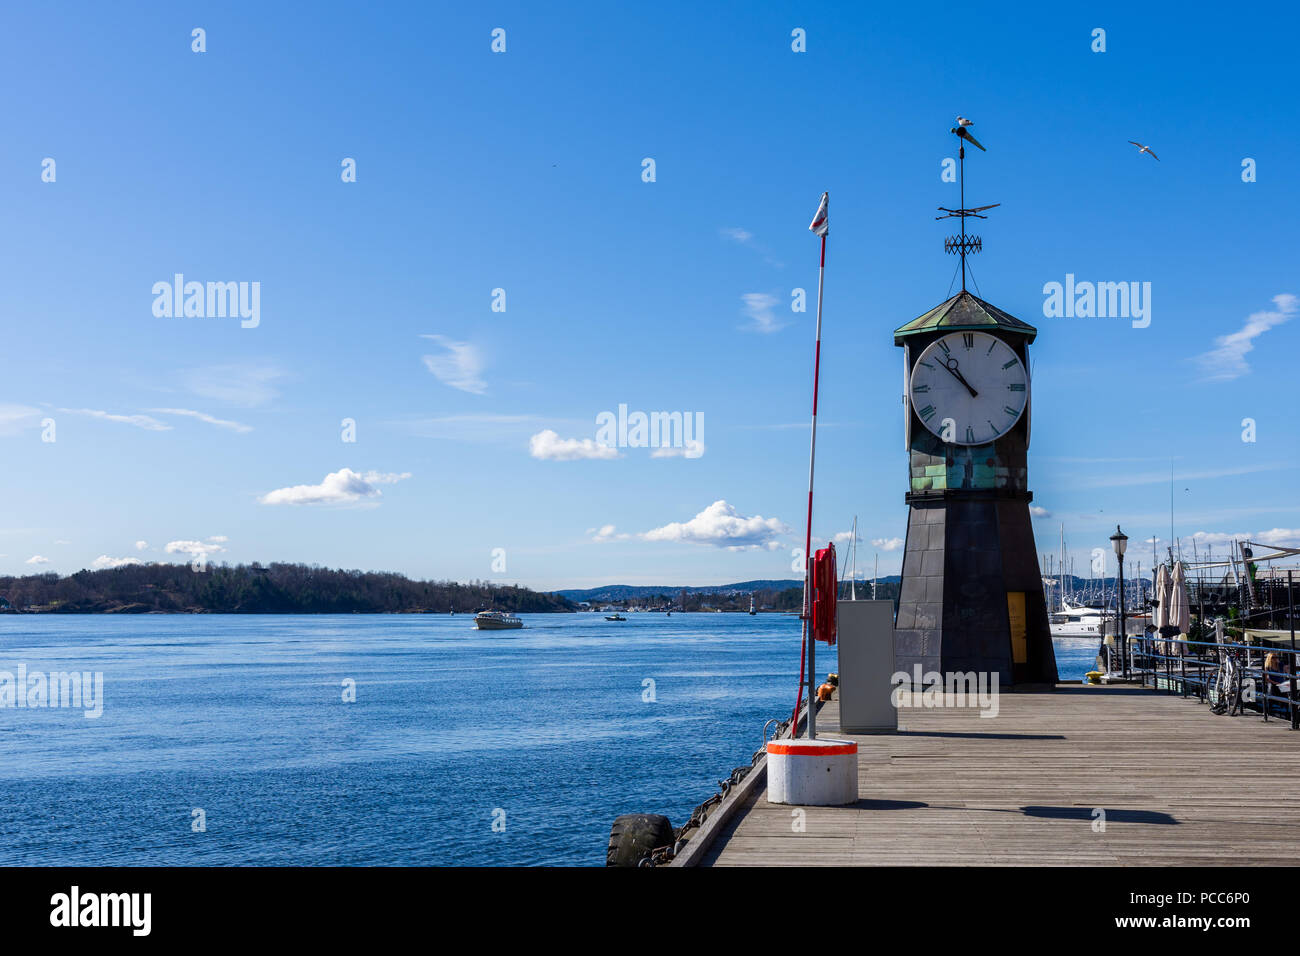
x=1178 y=785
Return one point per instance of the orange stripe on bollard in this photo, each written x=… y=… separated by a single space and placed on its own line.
x=806 y=749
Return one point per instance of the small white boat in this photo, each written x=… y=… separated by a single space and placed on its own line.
x=496 y=621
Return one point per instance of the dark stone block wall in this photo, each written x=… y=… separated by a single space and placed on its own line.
x=963 y=554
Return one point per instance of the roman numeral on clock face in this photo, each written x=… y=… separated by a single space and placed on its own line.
x=1017 y=387
x=968 y=340
x=927 y=413
x=970 y=434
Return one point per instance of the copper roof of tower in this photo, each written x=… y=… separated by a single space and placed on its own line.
x=965 y=311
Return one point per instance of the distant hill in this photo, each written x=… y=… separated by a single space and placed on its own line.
x=623 y=592
x=259 y=589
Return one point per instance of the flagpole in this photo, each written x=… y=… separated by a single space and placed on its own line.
x=808 y=639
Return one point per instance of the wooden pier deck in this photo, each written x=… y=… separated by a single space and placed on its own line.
x=1179 y=786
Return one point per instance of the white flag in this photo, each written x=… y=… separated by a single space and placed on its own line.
x=820 y=224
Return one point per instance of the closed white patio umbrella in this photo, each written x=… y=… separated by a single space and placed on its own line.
x=1160 y=617
x=1180 y=606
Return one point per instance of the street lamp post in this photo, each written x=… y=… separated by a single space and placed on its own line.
x=1120 y=542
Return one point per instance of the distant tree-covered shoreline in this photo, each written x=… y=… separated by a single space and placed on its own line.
x=259 y=589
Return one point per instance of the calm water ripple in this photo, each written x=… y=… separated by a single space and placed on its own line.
x=243 y=717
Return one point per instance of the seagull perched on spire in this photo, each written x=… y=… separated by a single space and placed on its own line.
x=963 y=121
x=965 y=134
x=1145 y=149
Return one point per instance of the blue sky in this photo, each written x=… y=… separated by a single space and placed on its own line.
x=523 y=171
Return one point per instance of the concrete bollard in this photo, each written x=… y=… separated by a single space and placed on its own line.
x=812 y=773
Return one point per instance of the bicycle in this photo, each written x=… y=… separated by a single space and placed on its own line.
x=1224 y=692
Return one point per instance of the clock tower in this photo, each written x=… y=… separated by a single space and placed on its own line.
x=971 y=593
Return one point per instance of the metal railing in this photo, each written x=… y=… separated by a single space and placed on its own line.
x=1188 y=667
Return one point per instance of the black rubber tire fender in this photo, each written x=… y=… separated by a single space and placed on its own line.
x=633 y=836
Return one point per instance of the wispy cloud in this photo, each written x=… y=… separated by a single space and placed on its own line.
x=758 y=306
x=887 y=544
x=204 y=417
x=547 y=445
x=247 y=384
x=1038 y=511
x=1122 y=480
x=722 y=526
x=460 y=364
x=146 y=422
x=15 y=418
x=344 y=486
x=37 y=559
x=1227 y=360
x=744 y=237
x=691 y=449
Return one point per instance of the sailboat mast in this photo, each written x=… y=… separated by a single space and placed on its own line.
x=853 y=563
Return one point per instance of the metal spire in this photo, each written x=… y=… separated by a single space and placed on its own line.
x=963 y=245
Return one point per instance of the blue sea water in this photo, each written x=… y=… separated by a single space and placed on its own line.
x=546 y=729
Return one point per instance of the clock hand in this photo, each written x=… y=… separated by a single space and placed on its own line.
x=951 y=365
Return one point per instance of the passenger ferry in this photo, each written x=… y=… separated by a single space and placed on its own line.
x=496 y=621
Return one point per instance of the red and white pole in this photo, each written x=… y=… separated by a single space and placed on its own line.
x=808 y=651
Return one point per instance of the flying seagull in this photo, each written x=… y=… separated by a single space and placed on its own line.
x=963 y=133
x=1145 y=149
x=963 y=121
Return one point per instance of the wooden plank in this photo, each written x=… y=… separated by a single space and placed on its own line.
x=1179 y=786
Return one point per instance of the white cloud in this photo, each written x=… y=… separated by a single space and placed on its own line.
x=1227 y=360
x=338 y=487
x=141 y=545
x=14 y=418
x=1286 y=537
x=606 y=533
x=139 y=421
x=460 y=365
x=692 y=449
x=37 y=559
x=845 y=537
x=247 y=384
x=1283 y=537
x=759 y=306
x=548 y=446
x=193 y=547
x=1039 y=512
x=219 y=538
x=887 y=544
x=737 y=234
x=722 y=526
x=104 y=561
x=203 y=417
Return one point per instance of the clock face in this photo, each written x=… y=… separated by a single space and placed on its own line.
x=973 y=379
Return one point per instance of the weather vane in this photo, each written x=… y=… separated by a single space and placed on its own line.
x=964 y=245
